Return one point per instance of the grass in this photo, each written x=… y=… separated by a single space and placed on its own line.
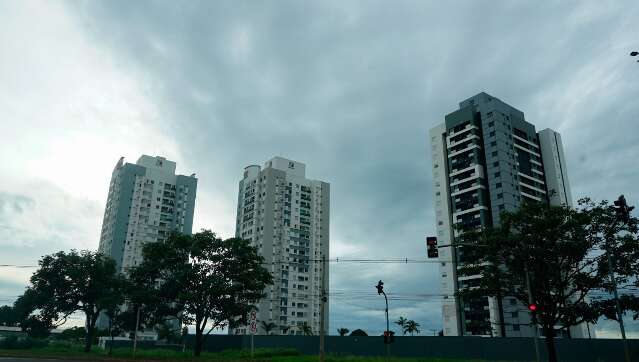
x=74 y=351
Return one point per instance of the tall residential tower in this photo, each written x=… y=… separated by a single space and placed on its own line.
x=487 y=159
x=146 y=201
x=286 y=216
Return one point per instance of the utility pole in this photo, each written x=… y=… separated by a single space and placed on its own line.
x=135 y=335
x=531 y=302
x=323 y=300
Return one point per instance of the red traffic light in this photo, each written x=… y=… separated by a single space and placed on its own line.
x=431 y=241
x=532 y=307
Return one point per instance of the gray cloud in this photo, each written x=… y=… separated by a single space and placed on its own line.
x=351 y=89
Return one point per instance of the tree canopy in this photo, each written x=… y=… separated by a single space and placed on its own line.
x=66 y=283
x=560 y=252
x=206 y=281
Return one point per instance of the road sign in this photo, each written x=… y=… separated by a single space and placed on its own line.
x=253 y=322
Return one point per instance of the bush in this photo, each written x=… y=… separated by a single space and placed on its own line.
x=260 y=353
x=13 y=342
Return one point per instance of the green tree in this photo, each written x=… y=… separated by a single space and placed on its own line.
x=401 y=322
x=66 y=283
x=267 y=327
x=559 y=252
x=411 y=327
x=306 y=329
x=480 y=253
x=342 y=331
x=8 y=316
x=73 y=333
x=211 y=283
x=359 y=333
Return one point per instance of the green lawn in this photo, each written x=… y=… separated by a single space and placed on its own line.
x=69 y=351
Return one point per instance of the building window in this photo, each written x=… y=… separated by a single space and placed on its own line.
x=495 y=154
x=498 y=184
x=515 y=314
x=496 y=164
x=491 y=123
x=515 y=327
x=491 y=134
x=494 y=143
x=500 y=196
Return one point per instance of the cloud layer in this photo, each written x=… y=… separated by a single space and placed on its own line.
x=349 y=88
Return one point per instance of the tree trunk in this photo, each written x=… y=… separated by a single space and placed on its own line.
x=90 y=323
x=550 y=343
x=197 y=347
x=502 y=323
x=111 y=334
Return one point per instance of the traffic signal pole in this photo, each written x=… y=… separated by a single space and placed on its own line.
x=533 y=317
x=622 y=212
x=380 y=290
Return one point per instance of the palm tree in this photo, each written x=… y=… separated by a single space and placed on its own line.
x=401 y=322
x=285 y=329
x=342 y=331
x=411 y=326
x=268 y=327
x=307 y=330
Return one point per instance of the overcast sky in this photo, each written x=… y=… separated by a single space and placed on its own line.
x=348 y=87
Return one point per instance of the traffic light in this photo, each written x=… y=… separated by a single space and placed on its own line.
x=380 y=287
x=389 y=337
x=431 y=247
x=532 y=307
x=622 y=210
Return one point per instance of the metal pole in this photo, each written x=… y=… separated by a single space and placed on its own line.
x=322 y=301
x=252 y=346
x=387 y=327
x=135 y=335
x=618 y=305
x=530 y=301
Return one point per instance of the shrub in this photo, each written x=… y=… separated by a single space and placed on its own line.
x=13 y=342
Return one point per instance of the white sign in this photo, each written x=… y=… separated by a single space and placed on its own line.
x=253 y=322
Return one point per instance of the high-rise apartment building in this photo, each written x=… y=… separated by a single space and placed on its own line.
x=286 y=216
x=146 y=201
x=487 y=159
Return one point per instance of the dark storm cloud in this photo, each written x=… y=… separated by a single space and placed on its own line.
x=351 y=89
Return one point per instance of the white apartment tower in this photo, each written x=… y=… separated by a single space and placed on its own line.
x=486 y=158
x=286 y=216
x=146 y=201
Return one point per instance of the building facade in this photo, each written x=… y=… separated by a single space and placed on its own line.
x=487 y=159
x=146 y=201
x=286 y=216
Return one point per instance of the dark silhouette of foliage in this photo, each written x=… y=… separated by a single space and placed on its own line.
x=208 y=282
x=66 y=283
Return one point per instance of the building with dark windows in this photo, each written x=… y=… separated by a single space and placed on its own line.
x=146 y=202
x=286 y=216
x=487 y=158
